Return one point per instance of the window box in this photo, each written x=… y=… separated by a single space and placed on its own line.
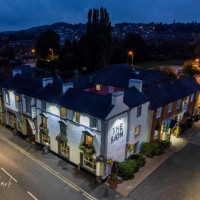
x=100 y=159
x=87 y=149
x=44 y=130
x=62 y=138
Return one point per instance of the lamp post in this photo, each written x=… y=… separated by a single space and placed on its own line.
x=130 y=53
x=33 y=51
x=51 y=53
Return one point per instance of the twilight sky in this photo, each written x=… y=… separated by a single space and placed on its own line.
x=23 y=14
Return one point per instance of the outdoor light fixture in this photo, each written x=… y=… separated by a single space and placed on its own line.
x=54 y=110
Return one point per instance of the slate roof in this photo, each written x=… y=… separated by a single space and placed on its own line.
x=74 y=99
x=134 y=98
x=118 y=75
x=25 y=69
x=165 y=93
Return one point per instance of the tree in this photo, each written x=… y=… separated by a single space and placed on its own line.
x=189 y=69
x=47 y=40
x=97 y=39
x=169 y=71
x=134 y=42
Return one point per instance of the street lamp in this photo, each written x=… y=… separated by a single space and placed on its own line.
x=33 y=51
x=51 y=53
x=130 y=53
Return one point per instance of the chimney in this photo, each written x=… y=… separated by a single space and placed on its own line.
x=136 y=83
x=17 y=71
x=47 y=80
x=117 y=97
x=66 y=86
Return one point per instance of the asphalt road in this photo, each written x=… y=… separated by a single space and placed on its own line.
x=32 y=179
x=176 y=179
x=43 y=177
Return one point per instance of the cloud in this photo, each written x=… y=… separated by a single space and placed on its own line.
x=21 y=14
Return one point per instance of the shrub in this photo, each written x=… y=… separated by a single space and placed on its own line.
x=164 y=144
x=133 y=164
x=147 y=149
x=125 y=170
x=139 y=159
x=157 y=149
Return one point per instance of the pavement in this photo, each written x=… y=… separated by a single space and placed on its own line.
x=45 y=176
x=178 y=178
x=153 y=163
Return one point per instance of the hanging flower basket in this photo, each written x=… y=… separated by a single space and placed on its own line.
x=100 y=159
x=87 y=149
x=129 y=147
x=44 y=130
x=62 y=138
x=109 y=161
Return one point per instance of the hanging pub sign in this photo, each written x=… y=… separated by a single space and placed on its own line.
x=117 y=133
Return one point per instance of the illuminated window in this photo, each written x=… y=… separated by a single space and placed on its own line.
x=44 y=122
x=93 y=122
x=170 y=107
x=77 y=117
x=158 y=114
x=192 y=98
x=89 y=162
x=178 y=105
x=88 y=140
x=63 y=112
x=16 y=98
x=98 y=87
x=137 y=130
x=65 y=150
x=139 y=111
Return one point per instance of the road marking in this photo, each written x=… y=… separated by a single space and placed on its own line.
x=8 y=174
x=32 y=195
x=67 y=181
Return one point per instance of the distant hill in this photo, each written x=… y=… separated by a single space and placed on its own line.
x=38 y=29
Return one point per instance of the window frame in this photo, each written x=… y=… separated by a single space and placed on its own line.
x=90 y=143
x=28 y=106
x=44 y=119
x=63 y=127
x=178 y=105
x=170 y=105
x=89 y=162
x=92 y=122
x=160 y=111
x=138 y=133
x=77 y=114
x=7 y=97
x=98 y=87
x=62 y=109
x=139 y=111
x=135 y=147
x=43 y=105
x=192 y=98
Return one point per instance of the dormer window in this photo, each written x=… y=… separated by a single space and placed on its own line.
x=98 y=87
x=111 y=89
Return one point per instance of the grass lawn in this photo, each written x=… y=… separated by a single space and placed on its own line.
x=152 y=64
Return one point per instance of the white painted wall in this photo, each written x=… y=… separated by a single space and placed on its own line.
x=138 y=121
x=116 y=149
